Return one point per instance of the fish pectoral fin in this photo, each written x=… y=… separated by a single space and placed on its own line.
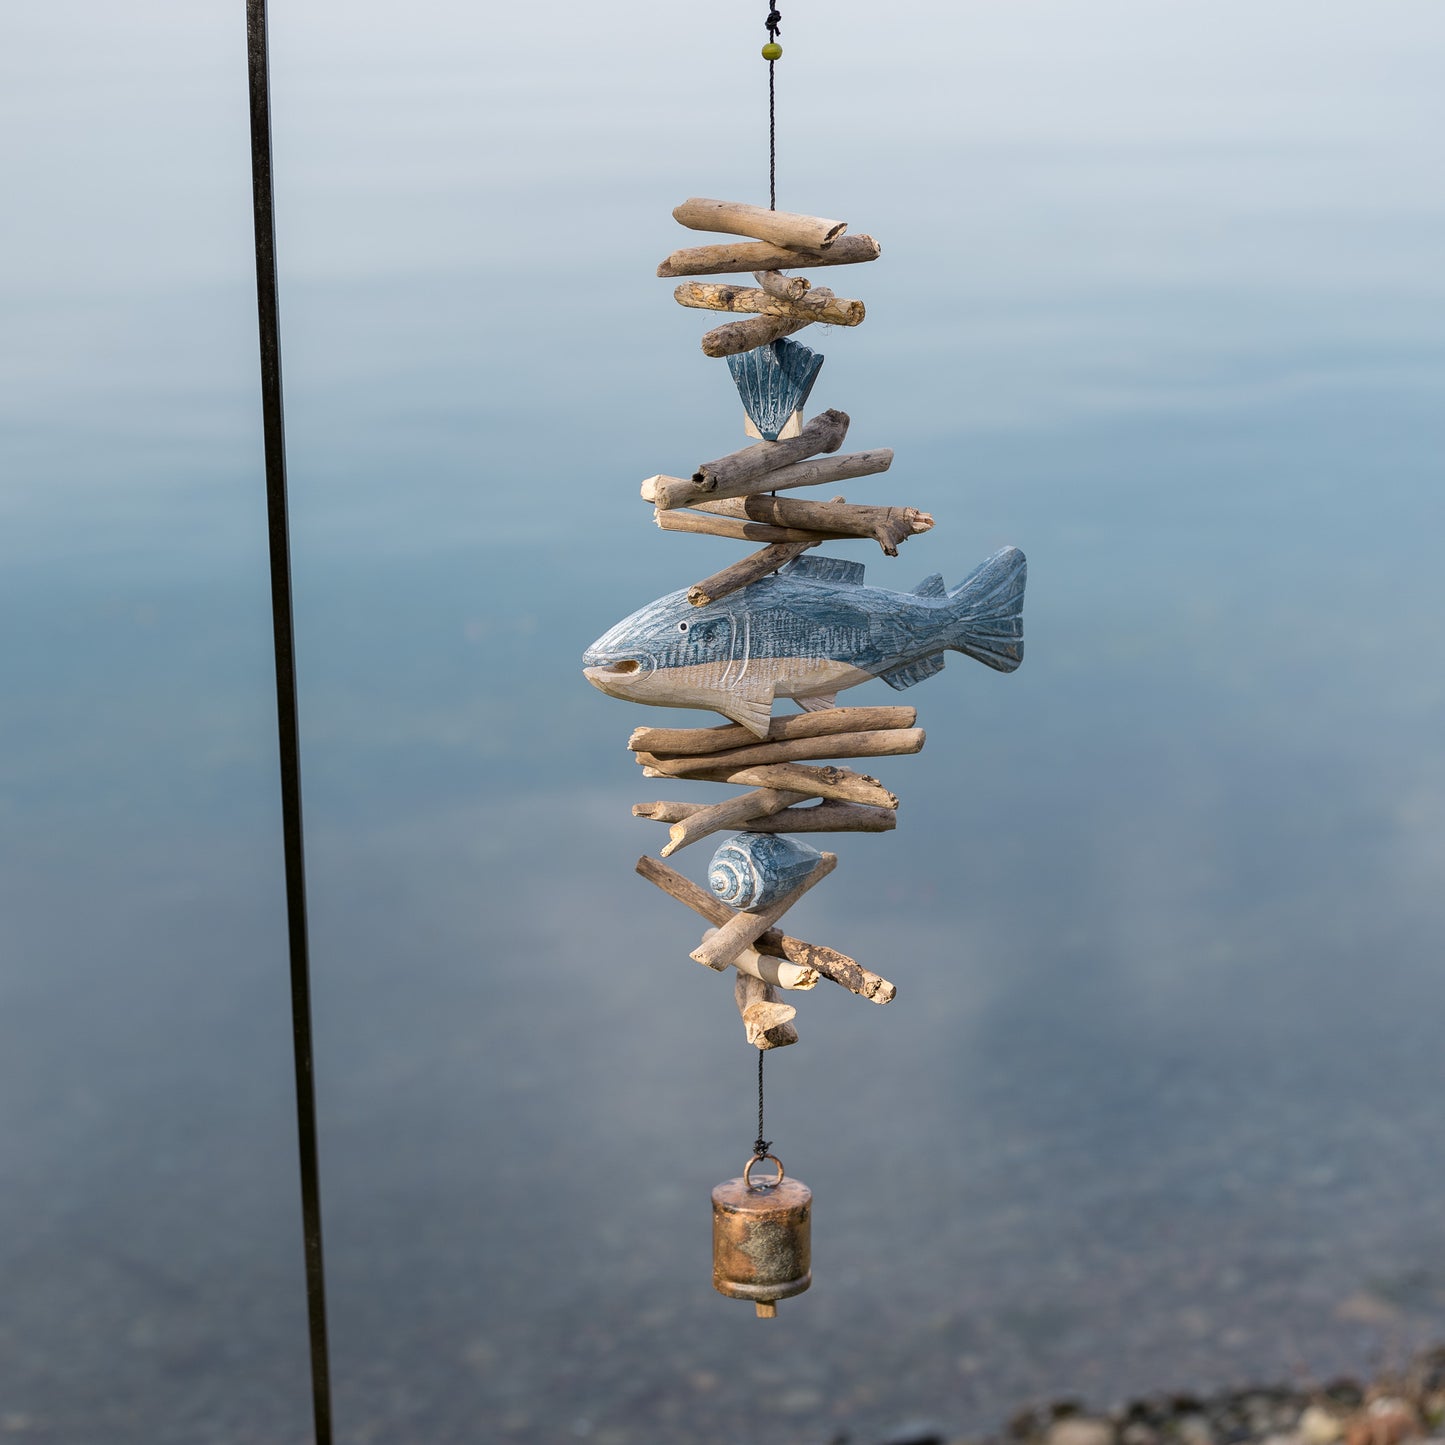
x=909 y=673
x=818 y=702
x=750 y=706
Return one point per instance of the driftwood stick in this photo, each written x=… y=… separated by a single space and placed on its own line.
x=663 y=491
x=892 y=742
x=830 y=817
x=824 y=433
x=888 y=526
x=826 y=782
x=767 y=1021
x=731 y=813
x=831 y=964
x=736 y=337
x=776 y=971
x=678 y=520
x=785 y=288
x=837 y=967
x=782 y=228
x=812 y=306
x=737 y=576
x=744 y=929
x=693 y=742
x=722 y=259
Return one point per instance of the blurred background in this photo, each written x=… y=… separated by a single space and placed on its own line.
x=1161 y=301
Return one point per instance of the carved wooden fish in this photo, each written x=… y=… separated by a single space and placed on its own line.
x=806 y=632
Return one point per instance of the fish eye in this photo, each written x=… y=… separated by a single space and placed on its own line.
x=682 y=626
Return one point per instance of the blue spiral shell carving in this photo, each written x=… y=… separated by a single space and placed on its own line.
x=773 y=381
x=752 y=870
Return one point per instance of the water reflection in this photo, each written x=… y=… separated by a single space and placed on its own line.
x=1155 y=1103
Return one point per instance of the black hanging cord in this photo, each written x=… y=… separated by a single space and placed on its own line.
x=761 y=1146
x=774 y=24
x=273 y=430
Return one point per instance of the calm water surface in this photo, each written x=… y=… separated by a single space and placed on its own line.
x=1158 y=1102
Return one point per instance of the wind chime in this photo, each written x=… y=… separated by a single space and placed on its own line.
x=782 y=624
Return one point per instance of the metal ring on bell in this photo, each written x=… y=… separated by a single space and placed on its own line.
x=766 y=1183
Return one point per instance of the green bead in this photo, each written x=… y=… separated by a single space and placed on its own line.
x=772 y=51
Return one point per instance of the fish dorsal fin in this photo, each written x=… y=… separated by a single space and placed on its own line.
x=920 y=671
x=749 y=705
x=931 y=587
x=825 y=569
x=819 y=702
x=773 y=382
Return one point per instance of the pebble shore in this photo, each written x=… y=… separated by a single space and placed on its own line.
x=1396 y=1409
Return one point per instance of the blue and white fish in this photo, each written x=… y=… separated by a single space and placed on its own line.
x=806 y=632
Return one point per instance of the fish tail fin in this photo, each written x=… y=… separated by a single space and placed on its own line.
x=986 y=611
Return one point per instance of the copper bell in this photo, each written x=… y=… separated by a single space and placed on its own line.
x=762 y=1244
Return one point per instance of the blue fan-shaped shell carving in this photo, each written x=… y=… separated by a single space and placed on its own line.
x=773 y=381
x=752 y=870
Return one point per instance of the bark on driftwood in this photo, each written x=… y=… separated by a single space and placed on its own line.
x=777 y=971
x=838 y=967
x=824 y=433
x=785 y=288
x=728 y=257
x=692 y=742
x=732 y=812
x=676 y=519
x=744 y=929
x=767 y=1021
x=736 y=337
x=782 y=228
x=811 y=306
x=737 y=576
x=835 y=966
x=665 y=492
x=829 y=817
x=888 y=526
x=887 y=743
x=825 y=782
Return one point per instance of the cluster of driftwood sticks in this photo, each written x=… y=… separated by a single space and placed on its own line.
x=792 y=779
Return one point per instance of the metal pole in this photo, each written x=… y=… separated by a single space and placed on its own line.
x=288 y=733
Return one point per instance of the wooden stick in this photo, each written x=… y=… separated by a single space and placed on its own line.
x=824 y=433
x=776 y=971
x=893 y=742
x=785 y=288
x=817 y=818
x=731 y=256
x=888 y=526
x=814 y=306
x=736 y=337
x=835 y=966
x=825 y=782
x=731 y=813
x=693 y=742
x=678 y=520
x=767 y=1022
x=782 y=228
x=743 y=929
x=667 y=492
x=740 y=574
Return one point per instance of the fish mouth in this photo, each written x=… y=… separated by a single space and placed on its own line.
x=607 y=675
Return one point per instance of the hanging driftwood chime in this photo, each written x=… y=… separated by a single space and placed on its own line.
x=782 y=624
